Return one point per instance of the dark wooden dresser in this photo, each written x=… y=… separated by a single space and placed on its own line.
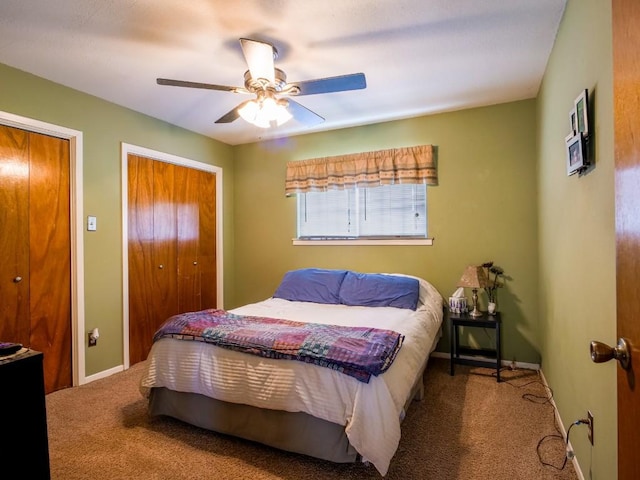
x=24 y=444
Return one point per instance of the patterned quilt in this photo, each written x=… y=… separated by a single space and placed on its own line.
x=356 y=351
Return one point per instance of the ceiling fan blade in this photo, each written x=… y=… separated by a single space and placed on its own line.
x=232 y=114
x=303 y=115
x=342 y=83
x=208 y=86
x=259 y=57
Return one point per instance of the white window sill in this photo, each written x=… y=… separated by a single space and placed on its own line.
x=407 y=241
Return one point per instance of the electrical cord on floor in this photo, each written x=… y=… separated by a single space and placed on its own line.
x=539 y=399
x=542 y=440
x=569 y=454
x=547 y=399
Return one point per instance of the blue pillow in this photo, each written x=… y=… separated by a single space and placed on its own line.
x=311 y=285
x=378 y=290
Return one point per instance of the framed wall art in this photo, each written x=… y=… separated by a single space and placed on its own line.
x=581 y=111
x=576 y=159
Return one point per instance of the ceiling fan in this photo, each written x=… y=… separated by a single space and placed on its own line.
x=269 y=85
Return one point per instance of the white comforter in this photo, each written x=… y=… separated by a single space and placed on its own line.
x=371 y=411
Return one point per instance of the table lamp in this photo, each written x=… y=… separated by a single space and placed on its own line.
x=474 y=278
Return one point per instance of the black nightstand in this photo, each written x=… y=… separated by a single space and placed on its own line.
x=23 y=404
x=485 y=321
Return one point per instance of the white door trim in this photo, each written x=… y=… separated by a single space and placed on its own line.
x=76 y=234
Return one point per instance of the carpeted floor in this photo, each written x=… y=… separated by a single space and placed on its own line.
x=467 y=427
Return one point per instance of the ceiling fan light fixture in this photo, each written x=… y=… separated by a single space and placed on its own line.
x=265 y=111
x=266 y=81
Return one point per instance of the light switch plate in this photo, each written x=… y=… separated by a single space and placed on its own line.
x=92 y=225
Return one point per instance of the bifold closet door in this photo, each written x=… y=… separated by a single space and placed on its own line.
x=15 y=323
x=166 y=200
x=35 y=243
x=196 y=240
x=188 y=233
x=140 y=242
x=172 y=243
x=50 y=257
x=207 y=240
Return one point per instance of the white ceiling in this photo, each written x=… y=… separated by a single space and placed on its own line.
x=419 y=56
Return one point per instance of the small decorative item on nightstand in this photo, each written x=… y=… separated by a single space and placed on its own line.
x=458 y=305
x=458 y=302
x=474 y=278
x=492 y=285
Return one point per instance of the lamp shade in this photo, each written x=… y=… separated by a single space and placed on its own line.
x=473 y=277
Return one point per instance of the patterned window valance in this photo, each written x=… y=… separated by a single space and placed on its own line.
x=368 y=169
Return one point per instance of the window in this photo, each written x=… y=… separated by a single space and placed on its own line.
x=381 y=212
x=368 y=198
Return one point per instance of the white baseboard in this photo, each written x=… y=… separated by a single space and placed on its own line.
x=504 y=363
x=103 y=374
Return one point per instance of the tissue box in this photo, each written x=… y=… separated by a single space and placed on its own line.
x=458 y=305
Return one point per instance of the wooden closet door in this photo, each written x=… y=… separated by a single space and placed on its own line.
x=35 y=244
x=188 y=236
x=141 y=267
x=50 y=257
x=172 y=244
x=15 y=324
x=207 y=240
x=153 y=285
x=153 y=263
x=196 y=218
x=165 y=244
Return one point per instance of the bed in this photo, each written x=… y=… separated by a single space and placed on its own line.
x=314 y=407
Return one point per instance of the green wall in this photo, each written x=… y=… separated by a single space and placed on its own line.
x=484 y=208
x=577 y=235
x=105 y=126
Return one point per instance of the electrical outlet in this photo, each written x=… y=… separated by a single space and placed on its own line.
x=590 y=426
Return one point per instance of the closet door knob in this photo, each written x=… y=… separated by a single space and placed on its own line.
x=160 y=266
x=17 y=280
x=195 y=263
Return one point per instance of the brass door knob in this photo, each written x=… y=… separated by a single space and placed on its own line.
x=601 y=352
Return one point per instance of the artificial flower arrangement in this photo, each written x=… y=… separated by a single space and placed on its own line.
x=494 y=275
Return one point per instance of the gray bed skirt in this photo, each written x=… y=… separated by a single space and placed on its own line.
x=296 y=432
